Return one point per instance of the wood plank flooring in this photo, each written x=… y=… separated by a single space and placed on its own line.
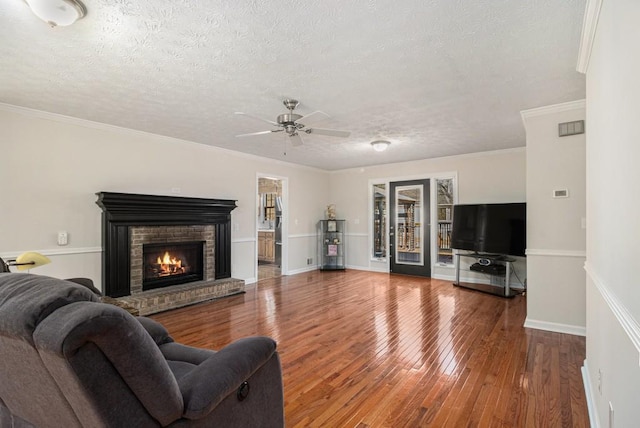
x=363 y=349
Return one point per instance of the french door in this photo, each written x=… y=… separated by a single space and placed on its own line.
x=409 y=228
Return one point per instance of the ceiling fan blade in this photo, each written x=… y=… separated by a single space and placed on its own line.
x=296 y=139
x=312 y=117
x=258 y=118
x=257 y=133
x=330 y=132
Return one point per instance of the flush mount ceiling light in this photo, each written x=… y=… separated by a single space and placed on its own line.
x=58 y=12
x=380 y=145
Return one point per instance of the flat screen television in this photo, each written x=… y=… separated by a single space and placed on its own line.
x=490 y=228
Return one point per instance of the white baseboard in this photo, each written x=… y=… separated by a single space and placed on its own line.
x=302 y=270
x=451 y=278
x=555 y=327
x=589 y=394
x=368 y=268
x=249 y=281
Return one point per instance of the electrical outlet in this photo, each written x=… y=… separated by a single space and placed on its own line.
x=309 y=261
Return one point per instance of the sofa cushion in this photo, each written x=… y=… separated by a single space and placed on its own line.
x=26 y=299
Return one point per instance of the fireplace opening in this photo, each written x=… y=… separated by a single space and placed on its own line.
x=172 y=263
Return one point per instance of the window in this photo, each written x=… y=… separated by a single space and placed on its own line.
x=445 y=217
x=379 y=221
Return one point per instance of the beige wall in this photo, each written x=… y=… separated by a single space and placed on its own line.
x=556 y=235
x=481 y=178
x=59 y=163
x=613 y=207
x=52 y=166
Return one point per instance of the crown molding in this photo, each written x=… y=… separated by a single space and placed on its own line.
x=555 y=108
x=402 y=164
x=589 y=25
x=56 y=117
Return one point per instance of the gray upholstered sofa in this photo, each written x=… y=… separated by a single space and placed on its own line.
x=67 y=360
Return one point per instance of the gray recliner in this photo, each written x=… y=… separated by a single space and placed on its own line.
x=67 y=360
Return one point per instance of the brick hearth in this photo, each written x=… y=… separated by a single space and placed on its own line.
x=163 y=299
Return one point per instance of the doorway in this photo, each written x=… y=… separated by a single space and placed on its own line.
x=409 y=227
x=270 y=227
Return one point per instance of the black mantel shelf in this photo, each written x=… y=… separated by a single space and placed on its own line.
x=120 y=211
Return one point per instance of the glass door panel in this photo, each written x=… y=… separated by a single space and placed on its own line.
x=409 y=222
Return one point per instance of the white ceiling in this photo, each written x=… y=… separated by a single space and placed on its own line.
x=436 y=78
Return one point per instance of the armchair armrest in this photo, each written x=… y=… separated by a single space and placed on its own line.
x=223 y=373
x=158 y=333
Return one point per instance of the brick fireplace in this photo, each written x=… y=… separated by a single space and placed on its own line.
x=162 y=256
x=161 y=252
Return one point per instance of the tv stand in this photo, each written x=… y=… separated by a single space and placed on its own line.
x=490 y=264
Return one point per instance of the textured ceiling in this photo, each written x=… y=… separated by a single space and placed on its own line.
x=436 y=78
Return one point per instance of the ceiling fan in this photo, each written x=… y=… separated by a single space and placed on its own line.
x=294 y=124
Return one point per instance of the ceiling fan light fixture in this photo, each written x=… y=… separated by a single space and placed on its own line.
x=58 y=12
x=380 y=145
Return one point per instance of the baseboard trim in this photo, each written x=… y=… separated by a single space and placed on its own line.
x=364 y=268
x=249 y=281
x=451 y=278
x=594 y=421
x=575 y=330
x=302 y=270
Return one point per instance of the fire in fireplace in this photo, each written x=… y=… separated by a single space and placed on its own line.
x=172 y=263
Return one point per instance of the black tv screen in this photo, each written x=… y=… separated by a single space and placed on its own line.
x=490 y=228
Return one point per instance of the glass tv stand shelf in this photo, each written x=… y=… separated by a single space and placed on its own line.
x=489 y=264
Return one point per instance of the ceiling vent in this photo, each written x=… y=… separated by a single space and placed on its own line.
x=571 y=128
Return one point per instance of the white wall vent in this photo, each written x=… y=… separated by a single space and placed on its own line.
x=561 y=193
x=571 y=128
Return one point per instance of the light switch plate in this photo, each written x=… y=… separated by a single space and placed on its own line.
x=63 y=238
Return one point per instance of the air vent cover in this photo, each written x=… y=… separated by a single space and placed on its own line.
x=571 y=128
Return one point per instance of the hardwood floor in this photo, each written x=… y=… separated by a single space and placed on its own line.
x=362 y=349
x=268 y=270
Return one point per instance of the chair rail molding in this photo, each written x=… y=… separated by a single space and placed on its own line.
x=55 y=252
x=629 y=324
x=555 y=253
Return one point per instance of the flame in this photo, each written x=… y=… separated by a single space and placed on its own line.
x=168 y=260
x=169 y=265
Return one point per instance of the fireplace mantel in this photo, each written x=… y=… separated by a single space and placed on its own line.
x=120 y=211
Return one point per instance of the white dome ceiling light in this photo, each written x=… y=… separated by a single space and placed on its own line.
x=380 y=145
x=57 y=12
